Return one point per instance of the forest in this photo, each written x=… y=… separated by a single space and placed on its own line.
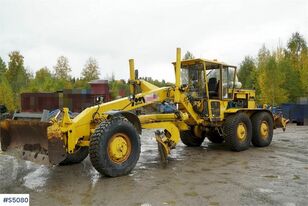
x=15 y=79
x=278 y=76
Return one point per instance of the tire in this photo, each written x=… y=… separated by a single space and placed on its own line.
x=262 y=129
x=115 y=147
x=76 y=157
x=214 y=137
x=191 y=140
x=237 y=131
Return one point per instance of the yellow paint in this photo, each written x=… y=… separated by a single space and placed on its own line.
x=177 y=75
x=84 y=143
x=280 y=122
x=132 y=75
x=198 y=131
x=66 y=120
x=182 y=126
x=241 y=95
x=169 y=126
x=241 y=132
x=164 y=144
x=146 y=86
x=157 y=118
x=264 y=129
x=81 y=125
x=54 y=131
x=119 y=148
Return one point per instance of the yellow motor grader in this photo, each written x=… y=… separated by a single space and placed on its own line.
x=206 y=101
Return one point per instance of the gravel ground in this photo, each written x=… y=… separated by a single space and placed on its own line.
x=209 y=175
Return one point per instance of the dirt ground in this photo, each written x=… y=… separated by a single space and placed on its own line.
x=209 y=175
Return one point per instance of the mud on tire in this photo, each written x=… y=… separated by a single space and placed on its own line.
x=100 y=147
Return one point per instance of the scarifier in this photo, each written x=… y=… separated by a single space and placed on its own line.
x=206 y=101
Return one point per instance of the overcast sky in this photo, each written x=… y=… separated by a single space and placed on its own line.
x=148 y=31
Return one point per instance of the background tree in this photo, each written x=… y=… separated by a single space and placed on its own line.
x=295 y=57
x=188 y=55
x=17 y=76
x=2 y=67
x=62 y=74
x=296 y=46
x=304 y=74
x=79 y=83
x=43 y=81
x=90 y=70
x=62 y=69
x=282 y=74
x=270 y=77
x=114 y=87
x=7 y=96
x=16 y=73
x=247 y=73
x=156 y=82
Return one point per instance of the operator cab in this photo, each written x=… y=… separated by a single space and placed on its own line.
x=207 y=83
x=208 y=79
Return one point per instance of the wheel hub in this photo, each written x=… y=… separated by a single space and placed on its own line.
x=241 y=132
x=119 y=148
x=264 y=129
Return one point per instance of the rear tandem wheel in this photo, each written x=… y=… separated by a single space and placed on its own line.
x=237 y=131
x=262 y=129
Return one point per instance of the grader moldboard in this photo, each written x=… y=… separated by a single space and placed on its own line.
x=206 y=101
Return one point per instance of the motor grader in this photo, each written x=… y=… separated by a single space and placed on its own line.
x=206 y=101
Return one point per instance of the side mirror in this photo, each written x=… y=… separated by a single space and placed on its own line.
x=99 y=99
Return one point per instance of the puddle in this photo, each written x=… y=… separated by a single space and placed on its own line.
x=95 y=176
x=37 y=179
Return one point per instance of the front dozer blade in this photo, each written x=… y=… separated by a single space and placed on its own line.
x=29 y=139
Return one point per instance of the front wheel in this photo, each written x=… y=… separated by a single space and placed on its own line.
x=115 y=147
x=237 y=131
x=262 y=129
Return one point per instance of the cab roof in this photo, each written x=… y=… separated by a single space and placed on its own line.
x=210 y=64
